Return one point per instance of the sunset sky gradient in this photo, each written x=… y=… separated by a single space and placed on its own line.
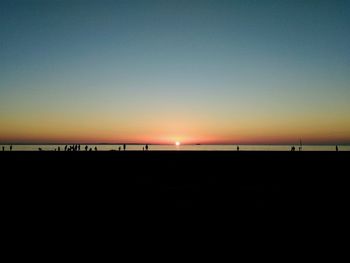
x=241 y=72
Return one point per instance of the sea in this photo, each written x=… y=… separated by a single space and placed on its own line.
x=187 y=147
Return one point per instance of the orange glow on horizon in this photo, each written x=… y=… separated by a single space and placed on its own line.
x=267 y=139
x=166 y=132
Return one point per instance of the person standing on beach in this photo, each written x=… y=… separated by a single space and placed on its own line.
x=336 y=148
x=146 y=147
x=124 y=147
x=3 y=148
x=10 y=148
x=237 y=148
x=86 y=148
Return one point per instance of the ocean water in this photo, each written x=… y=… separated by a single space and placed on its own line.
x=135 y=147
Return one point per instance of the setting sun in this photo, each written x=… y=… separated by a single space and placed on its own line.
x=188 y=73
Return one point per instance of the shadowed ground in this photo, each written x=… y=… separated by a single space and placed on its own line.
x=115 y=183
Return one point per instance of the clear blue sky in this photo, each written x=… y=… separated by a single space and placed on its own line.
x=160 y=71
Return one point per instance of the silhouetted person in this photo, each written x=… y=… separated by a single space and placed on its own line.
x=146 y=147
x=143 y=148
x=237 y=148
x=120 y=148
x=59 y=148
x=336 y=148
x=90 y=150
x=124 y=147
x=3 y=148
x=65 y=148
x=40 y=149
x=293 y=149
x=10 y=147
x=95 y=148
x=86 y=148
x=79 y=148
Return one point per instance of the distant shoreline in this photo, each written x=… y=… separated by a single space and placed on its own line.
x=184 y=144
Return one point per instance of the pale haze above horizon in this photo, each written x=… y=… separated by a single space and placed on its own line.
x=220 y=71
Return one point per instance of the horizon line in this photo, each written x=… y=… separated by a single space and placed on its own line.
x=137 y=143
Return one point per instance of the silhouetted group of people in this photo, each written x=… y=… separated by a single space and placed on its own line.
x=3 y=148
x=72 y=148
x=124 y=147
x=300 y=148
x=293 y=149
x=144 y=148
x=76 y=148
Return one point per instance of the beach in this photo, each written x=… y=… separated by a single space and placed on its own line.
x=109 y=183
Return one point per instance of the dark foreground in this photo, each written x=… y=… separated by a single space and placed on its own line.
x=108 y=184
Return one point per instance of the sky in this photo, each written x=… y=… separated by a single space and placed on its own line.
x=240 y=72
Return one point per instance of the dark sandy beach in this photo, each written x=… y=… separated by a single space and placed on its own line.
x=108 y=196
x=83 y=198
x=224 y=182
